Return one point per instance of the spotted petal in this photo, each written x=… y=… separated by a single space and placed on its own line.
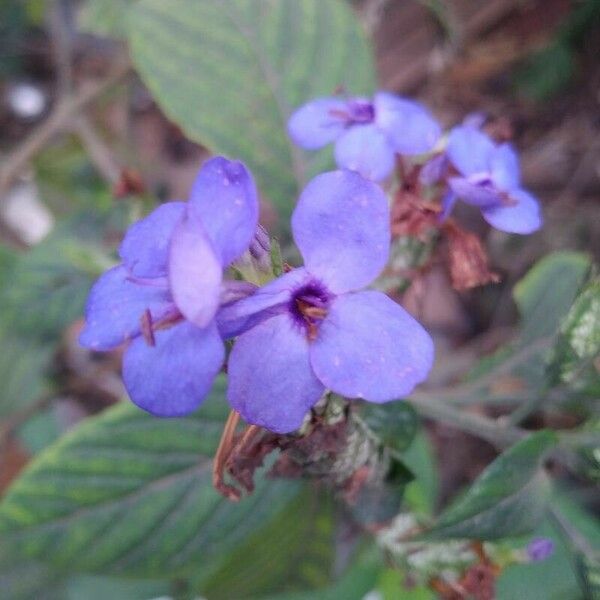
x=365 y=149
x=523 y=217
x=505 y=167
x=470 y=150
x=317 y=123
x=195 y=270
x=370 y=347
x=408 y=125
x=271 y=383
x=145 y=248
x=225 y=199
x=116 y=305
x=237 y=317
x=341 y=226
x=172 y=378
x=473 y=193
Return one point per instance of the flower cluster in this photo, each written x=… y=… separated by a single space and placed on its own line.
x=165 y=296
x=370 y=134
x=307 y=331
x=314 y=328
x=320 y=331
x=489 y=178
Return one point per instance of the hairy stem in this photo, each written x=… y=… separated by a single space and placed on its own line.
x=488 y=429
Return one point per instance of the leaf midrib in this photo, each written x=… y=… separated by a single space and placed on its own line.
x=283 y=108
x=16 y=534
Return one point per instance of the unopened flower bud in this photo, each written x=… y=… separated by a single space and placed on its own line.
x=260 y=249
x=540 y=549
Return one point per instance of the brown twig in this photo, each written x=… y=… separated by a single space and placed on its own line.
x=221 y=456
x=485 y=428
x=98 y=152
x=59 y=119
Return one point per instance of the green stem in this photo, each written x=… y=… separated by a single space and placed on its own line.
x=478 y=425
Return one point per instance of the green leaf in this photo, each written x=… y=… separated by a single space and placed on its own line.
x=579 y=344
x=546 y=72
x=24 y=580
x=105 y=17
x=49 y=284
x=355 y=584
x=554 y=578
x=544 y=296
x=547 y=292
x=230 y=74
x=127 y=493
x=392 y=586
x=294 y=552
x=422 y=493
x=396 y=423
x=23 y=367
x=94 y=587
x=590 y=455
x=507 y=499
x=24 y=363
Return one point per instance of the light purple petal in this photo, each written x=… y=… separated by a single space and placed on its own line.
x=364 y=148
x=317 y=123
x=236 y=317
x=172 y=378
x=475 y=119
x=434 y=170
x=470 y=150
x=505 y=167
x=230 y=326
x=195 y=271
x=145 y=248
x=473 y=193
x=224 y=196
x=342 y=227
x=116 y=305
x=271 y=383
x=409 y=125
x=523 y=217
x=448 y=202
x=370 y=347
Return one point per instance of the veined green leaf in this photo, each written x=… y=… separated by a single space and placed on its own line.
x=24 y=580
x=577 y=351
x=105 y=17
x=396 y=423
x=230 y=74
x=547 y=291
x=128 y=493
x=556 y=578
x=507 y=499
x=294 y=552
x=544 y=296
x=23 y=369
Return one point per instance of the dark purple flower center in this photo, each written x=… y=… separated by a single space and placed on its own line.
x=308 y=307
x=486 y=182
x=361 y=111
x=357 y=112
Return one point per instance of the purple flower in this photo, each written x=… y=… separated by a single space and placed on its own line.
x=314 y=330
x=540 y=549
x=367 y=133
x=489 y=179
x=164 y=296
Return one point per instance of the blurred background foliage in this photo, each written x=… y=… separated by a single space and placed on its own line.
x=100 y=500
